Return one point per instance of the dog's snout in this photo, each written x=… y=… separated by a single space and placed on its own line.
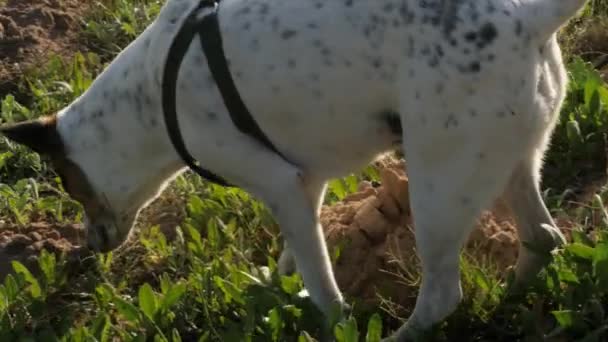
x=102 y=236
x=98 y=238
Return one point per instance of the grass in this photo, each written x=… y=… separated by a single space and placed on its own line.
x=217 y=279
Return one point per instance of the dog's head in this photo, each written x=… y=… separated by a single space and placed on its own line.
x=108 y=218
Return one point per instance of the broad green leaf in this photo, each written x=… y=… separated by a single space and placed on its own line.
x=581 y=251
x=231 y=291
x=351 y=332
x=175 y=336
x=48 y=265
x=4 y=157
x=374 y=329
x=105 y=332
x=35 y=289
x=347 y=331
x=11 y=287
x=566 y=275
x=276 y=323
x=336 y=186
x=128 y=310
x=580 y=237
x=595 y=105
x=173 y=295
x=290 y=284
x=352 y=182
x=147 y=301
x=600 y=264
x=305 y=337
x=565 y=318
x=105 y=293
x=3 y=300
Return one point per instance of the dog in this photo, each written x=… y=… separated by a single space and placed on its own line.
x=470 y=90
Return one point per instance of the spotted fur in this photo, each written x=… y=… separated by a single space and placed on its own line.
x=469 y=89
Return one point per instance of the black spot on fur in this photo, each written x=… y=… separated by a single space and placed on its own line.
x=451 y=121
x=487 y=34
x=475 y=66
x=518 y=27
x=287 y=34
x=212 y=116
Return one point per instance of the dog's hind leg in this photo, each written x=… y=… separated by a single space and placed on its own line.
x=450 y=183
x=457 y=165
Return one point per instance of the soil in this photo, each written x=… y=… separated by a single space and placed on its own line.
x=32 y=30
x=24 y=244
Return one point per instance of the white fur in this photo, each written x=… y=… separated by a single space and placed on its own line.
x=477 y=110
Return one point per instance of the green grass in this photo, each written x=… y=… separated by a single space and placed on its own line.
x=217 y=280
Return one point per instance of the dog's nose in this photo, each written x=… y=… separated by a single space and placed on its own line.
x=98 y=239
x=101 y=236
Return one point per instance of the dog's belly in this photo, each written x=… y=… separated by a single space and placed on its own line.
x=326 y=98
x=335 y=133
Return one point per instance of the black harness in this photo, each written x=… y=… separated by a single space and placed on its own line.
x=211 y=41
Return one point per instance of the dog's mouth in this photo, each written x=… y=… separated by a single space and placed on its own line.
x=101 y=236
x=101 y=224
x=105 y=229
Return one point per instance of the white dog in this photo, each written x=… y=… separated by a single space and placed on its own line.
x=470 y=89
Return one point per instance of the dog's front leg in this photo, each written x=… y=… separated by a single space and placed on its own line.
x=297 y=214
x=294 y=199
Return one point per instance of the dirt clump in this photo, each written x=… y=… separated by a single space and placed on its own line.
x=373 y=232
x=24 y=244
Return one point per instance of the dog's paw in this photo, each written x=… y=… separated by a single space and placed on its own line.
x=410 y=333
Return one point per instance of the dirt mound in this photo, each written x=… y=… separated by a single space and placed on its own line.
x=373 y=231
x=31 y=30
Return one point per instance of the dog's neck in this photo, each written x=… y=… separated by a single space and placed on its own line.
x=120 y=117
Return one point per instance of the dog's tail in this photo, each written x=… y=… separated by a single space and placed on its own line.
x=545 y=17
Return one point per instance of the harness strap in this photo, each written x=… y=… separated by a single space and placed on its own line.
x=211 y=41
x=177 y=51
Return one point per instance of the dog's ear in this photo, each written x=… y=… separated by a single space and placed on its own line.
x=40 y=135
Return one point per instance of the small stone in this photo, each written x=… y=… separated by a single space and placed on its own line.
x=38 y=245
x=388 y=205
x=398 y=186
x=32 y=259
x=361 y=195
x=17 y=244
x=372 y=222
x=52 y=234
x=51 y=245
x=35 y=236
x=4 y=239
x=364 y=185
